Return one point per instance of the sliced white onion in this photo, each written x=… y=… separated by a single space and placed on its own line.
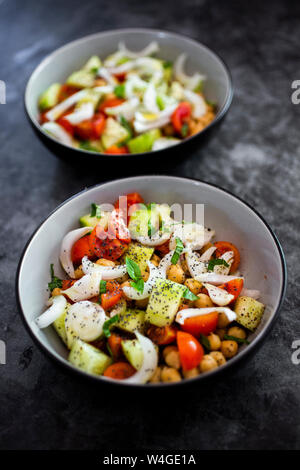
x=164 y=142
x=215 y=279
x=58 y=132
x=208 y=253
x=157 y=239
x=150 y=361
x=103 y=89
x=194 y=236
x=85 y=320
x=220 y=268
x=199 y=105
x=104 y=73
x=57 y=308
x=255 y=294
x=143 y=122
x=165 y=263
x=149 y=99
x=194 y=264
x=190 y=82
x=66 y=248
x=123 y=68
x=152 y=48
x=107 y=272
x=182 y=315
x=219 y=296
x=86 y=287
x=84 y=112
x=154 y=274
x=134 y=83
x=126 y=109
x=60 y=108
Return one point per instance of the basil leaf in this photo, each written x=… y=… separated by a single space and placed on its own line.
x=216 y=262
x=55 y=281
x=133 y=269
x=119 y=91
x=102 y=288
x=108 y=324
x=184 y=130
x=204 y=341
x=238 y=340
x=138 y=285
x=177 y=252
x=189 y=295
x=95 y=211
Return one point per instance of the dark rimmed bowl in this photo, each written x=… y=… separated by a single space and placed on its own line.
x=263 y=263
x=58 y=65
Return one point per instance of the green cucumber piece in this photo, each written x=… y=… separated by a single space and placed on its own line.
x=133 y=319
x=249 y=312
x=59 y=326
x=140 y=254
x=49 y=98
x=164 y=302
x=144 y=142
x=93 y=64
x=113 y=134
x=133 y=352
x=88 y=358
x=81 y=79
x=88 y=221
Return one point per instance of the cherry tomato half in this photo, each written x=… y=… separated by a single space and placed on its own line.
x=190 y=350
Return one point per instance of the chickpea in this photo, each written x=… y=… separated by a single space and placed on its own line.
x=221 y=332
x=105 y=262
x=223 y=320
x=208 y=363
x=172 y=359
x=168 y=349
x=193 y=285
x=184 y=266
x=145 y=275
x=218 y=357
x=155 y=259
x=237 y=332
x=189 y=374
x=156 y=375
x=56 y=291
x=168 y=374
x=141 y=303
x=214 y=341
x=229 y=348
x=176 y=274
x=78 y=272
x=203 y=301
x=123 y=278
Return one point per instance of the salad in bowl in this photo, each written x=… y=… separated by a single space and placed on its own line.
x=127 y=103
x=148 y=297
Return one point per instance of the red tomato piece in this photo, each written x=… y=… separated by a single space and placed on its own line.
x=115 y=345
x=115 y=150
x=84 y=130
x=112 y=295
x=98 y=124
x=110 y=103
x=62 y=121
x=201 y=324
x=119 y=371
x=104 y=247
x=163 y=335
x=66 y=91
x=223 y=247
x=233 y=287
x=181 y=116
x=117 y=226
x=190 y=350
x=80 y=249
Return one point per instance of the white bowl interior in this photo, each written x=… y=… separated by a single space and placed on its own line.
x=57 y=66
x=228 y=216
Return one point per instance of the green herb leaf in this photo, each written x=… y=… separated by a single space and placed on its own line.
x=85 y=145
x=178 y=251
x=127 y=126
x=119 y=91
x=108 y=324
x=216 y=262
x=102 y=288
x=189 y=295
x=204 y=341
x=238 y=340
x=134 y=272
x=160 y=102
x=167 y=64
x=55 y=281
x=95 y=211
x=138 y=285
x=184 y=130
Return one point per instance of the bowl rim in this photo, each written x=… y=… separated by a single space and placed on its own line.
x=221 y=113
x=100 y=379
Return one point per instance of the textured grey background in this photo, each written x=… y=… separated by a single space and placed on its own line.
x=256 y=154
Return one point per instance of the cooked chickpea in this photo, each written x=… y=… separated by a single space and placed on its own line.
x=78 y=272
x=172 y=359
x=221 y=332
x=141 y=303
x=156 y=376
x=214 y=341
x=145 y=275
x=223 y=320
x=169 y=374
x=176 y=274
x=155 y=259
x=203 y=301
x=169 y=349
x=229 y=348
x=56 y=291
x=105 y=262
x=218 y=357
x=208 y=363
x=123 y=278
x=237 y=332
x=193 y=285
x=184 y=266
x=189 y=374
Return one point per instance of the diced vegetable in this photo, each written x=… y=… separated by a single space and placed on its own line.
x=88 y=358
x=93 y=64
x=50 y=97
x=190 y=350
x=81 y=79
x=133 y=353
x=59 y=325
x=113 y=133
x=89 y=221
x=131 y=320
x=144 y=142
x=223 y=247
x=140 y=254
x=164 y=302
x=119 y=371
x=249 y=312
x=201 y=324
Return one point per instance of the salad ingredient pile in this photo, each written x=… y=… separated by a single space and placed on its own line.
x=130 y=103
x=148 y=299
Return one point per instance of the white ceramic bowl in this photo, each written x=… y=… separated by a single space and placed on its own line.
x=262 y=264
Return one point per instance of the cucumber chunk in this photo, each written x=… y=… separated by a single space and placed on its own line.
x=93 y=64
x=133 y=352
x=59 y=326
x=164 y=302
x=144 y=142
x=249 y=312
x=88 y=358
x=81 y=79
x=88 y=221
x=133 y=319
x=113 y=133
x=49 y=98
x=140 y=254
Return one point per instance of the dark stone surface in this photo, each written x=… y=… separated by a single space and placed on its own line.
x=256 y=154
